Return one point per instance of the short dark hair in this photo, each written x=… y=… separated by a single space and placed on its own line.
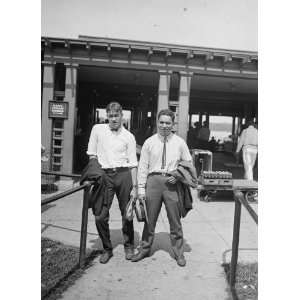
x=166 y=112
x=114 y=106
x=250 y=123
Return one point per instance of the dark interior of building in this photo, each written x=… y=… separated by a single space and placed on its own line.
x=137 y=91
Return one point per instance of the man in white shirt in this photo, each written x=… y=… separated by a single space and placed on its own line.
x=248 y=143
x=160 y=155
x=115 y=149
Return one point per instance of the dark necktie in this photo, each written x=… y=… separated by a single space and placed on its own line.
x=163 y=160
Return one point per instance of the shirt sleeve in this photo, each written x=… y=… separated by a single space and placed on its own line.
x=92 y=145
x=143 y=169
x=240 y=142
x=185 y=152
x=132 y=159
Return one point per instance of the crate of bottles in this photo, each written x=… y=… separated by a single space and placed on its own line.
x=216 y=178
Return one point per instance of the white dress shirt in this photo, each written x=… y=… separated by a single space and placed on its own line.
x=151 y=157
x=113 y=148
x=249 y=137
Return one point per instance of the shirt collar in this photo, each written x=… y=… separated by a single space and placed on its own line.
x=114 y=131
x=168 y=137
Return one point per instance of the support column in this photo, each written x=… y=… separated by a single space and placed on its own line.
x=207 y=118
x=163 y=90
x=233 y=125
x=70 y=97
x=48 y=90
x=200 y=118
x=184 y=104
x=247 y=111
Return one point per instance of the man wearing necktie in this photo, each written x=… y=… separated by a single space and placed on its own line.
x=160 y=155
x=115 y=149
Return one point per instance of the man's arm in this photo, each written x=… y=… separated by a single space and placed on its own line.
x=131 y=151
x=143 y=170
x=134 y=191
x=240 y=142
x=92 y=145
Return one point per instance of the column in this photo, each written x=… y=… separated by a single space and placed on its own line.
x=247 y=111
x=184 y=104
x=233 y=125
x=163 y=89
x=70 y=97
x=207 y=118
x=48 y=90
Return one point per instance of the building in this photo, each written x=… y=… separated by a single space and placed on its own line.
x=81 y=76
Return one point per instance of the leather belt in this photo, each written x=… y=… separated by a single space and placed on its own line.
x=116 y=169
x=160 y=173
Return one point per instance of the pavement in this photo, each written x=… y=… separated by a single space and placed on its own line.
x=208 y=238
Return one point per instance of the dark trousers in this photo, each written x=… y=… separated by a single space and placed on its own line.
x=119 y=183
x=159 y=191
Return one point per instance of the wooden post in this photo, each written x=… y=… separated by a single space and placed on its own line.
x=163 y=90
x=48 y=90
x=184 y=103
x=236 y=237
x=84 y=221
x=69 y=126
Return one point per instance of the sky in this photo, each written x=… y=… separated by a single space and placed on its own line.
x=227 y=24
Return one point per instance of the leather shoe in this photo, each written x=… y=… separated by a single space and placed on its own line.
x=139 y=256
x=105 y=257
x=129 y=253
x=181 y=261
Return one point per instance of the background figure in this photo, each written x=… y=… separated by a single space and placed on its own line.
x=191 y=137
x=203 y=136
x=248 y=142
x=212 y=144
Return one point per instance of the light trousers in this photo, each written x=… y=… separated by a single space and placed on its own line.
x=249 y=158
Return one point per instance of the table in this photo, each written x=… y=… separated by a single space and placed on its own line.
x=242 y=185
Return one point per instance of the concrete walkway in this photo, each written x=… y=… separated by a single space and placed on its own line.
x=208 y=237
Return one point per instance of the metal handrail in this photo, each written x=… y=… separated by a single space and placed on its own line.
x=61 y=174
x=239 y=201
x=85 y=207
x=65 y=193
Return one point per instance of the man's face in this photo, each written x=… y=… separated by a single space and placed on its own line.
x=114 y=119
x=165 y=125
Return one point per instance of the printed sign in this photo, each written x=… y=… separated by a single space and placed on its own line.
x=58 y=109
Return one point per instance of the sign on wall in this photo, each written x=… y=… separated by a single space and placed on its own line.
x=58 y=109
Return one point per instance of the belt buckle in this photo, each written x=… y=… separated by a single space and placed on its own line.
x=114 y=169
x=164 y=174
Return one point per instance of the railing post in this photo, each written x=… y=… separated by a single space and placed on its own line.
x=84 y=221
x=236 y=237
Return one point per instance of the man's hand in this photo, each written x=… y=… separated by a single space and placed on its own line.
x=172 y=180
x=141 y=196
x=134 y=192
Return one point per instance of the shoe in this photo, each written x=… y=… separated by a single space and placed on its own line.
x=139 y=256
x=181 y=262
x=105 y=257
x=129 y=253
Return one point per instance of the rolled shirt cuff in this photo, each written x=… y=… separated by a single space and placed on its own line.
x=91 y=153
x=141 y=190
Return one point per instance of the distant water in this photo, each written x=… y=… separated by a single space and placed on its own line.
x=219 y=135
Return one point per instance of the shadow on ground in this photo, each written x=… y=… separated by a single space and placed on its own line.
x=116 y=237
x=162 y=242
x=46 y=207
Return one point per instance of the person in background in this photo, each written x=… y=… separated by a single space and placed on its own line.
x=212 y=144
x=248 y=144
x=115 y=149
x=160 y=155
x=203 y=136
x=191 y=137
